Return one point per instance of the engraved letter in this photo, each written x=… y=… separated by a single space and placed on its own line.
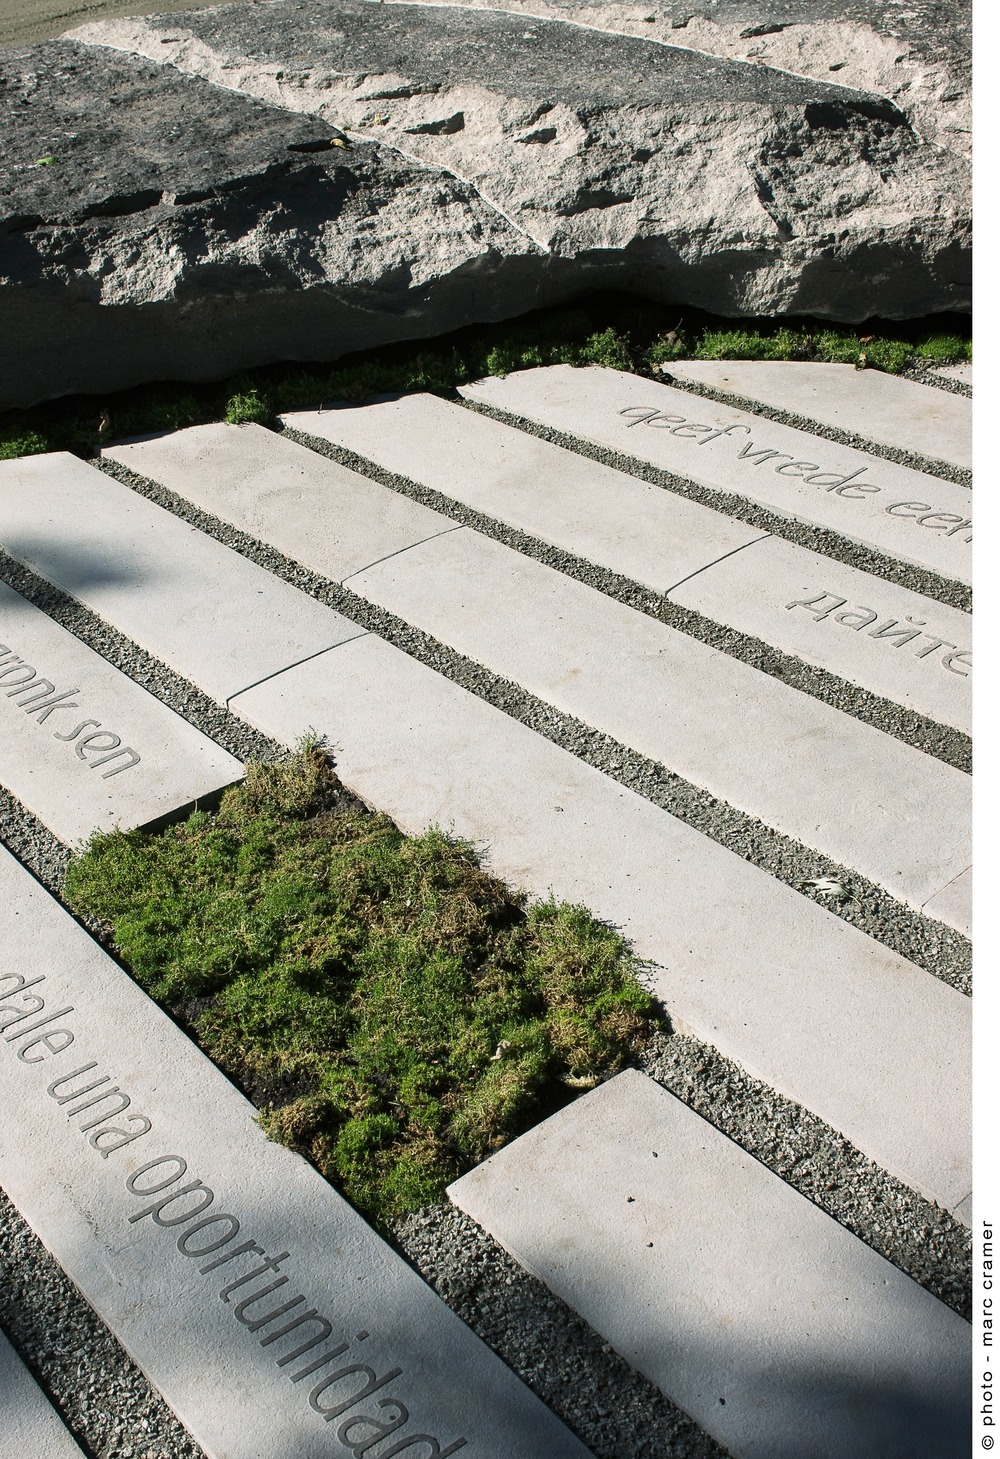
x=260 y=1322
x=118 y=768
x=796 y=468
x=79 y=1093
x=83 y=725
x=957 y=658
x=45 y=709
x=102 y=735
x=326 y=1330
x=667 y=422
x=371 y=1385
x=183 y=1241
x=436 y=1451
x=134 y=1189
x=113 y=1093
x=723 y=432
x=30 y=689
x=46 y=1040
x=125 y=1138
x=641 y=413
x=811 y=603
x=899 y=509
x=891 y=630
x=156 y=1208
x=20 y=667
x=935 y=643
x=863 y=615
x=377 y=1430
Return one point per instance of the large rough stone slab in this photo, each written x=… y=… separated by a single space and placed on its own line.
x=30 y=1425
x=198 y=605
x=728 y=184
x=312 y=509
x=143 y=1171
x=85 y=747
x=773 y=981
x=918 y=54
x=899 y=817
x=869 y=403
x=182 y=231
x=904 y=513
x=779 y=1331
x=698 y=557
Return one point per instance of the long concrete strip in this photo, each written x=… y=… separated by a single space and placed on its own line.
x=83 y=746
x=880 y=807
x=868 y=403
x=30 y=1428
x=266 y=1311
x=904 y=513
x=636 y=529
x=859 y=796
x=196 y=604
x=779 y=1331
x=886 y=639
x=786 y=989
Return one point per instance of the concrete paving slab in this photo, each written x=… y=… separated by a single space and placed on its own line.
x=961 y=372
x=83 y=746
x=883 y=408
x=205 y=610
x=901 y=818
x=142 y=1170
x=904 y=513
x=609 y=519
x=885 y=638
x=953 y=904
x=307 y=506
x=579 y=505
x=789 y=991
x=31 y=1428
x=781 y=1333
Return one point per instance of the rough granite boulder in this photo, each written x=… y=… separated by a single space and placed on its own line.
x=300 y=178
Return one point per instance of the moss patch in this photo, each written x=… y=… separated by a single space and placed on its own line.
x=605 y=329
x=397 y=1012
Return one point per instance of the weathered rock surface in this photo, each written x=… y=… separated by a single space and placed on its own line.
x=198 y=214
x=915 y=52
x=182 y=231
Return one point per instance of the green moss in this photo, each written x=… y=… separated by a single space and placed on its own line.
x=22 y=443
x=397 y=1012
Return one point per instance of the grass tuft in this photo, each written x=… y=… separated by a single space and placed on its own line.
x=397 y=1012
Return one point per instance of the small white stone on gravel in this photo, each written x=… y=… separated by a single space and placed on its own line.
x=776 y=1329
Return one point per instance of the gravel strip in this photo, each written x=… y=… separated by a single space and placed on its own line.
x=817 y=539
x=940 y=382
x=100 y=1394
x=941 y=741
x=943 y=952
x=960 y=475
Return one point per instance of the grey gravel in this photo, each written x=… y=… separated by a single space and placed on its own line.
x=100 y=1394
x=940 y=382
x=940 y=950
x=817 y=539
x=961 y=475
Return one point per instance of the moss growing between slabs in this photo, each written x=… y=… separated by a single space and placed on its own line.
x=397 y=1012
